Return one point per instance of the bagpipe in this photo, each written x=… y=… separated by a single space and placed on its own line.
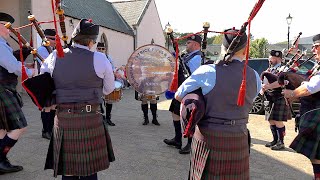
x=289 y=66
x=41 y=87
x=291 y=79
x=193 y=106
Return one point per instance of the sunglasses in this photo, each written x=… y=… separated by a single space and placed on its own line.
x=315 y=46
x=101 y=49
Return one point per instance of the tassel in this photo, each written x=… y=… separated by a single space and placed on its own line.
x=242 y=93
x=174 y=84
x=242 y=90
x=59 y=48
x=188 y=132
x=24 y=75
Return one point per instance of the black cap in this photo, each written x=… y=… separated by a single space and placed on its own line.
x=316 y=39
x=227 y=39
x=85 y=29
x=6 y=17
x=100 y=44
x=50 y=32
x=276 y=53
x=195 y=38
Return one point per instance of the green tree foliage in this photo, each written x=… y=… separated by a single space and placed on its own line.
x=258 y=48
x=210 y=40
x=217 y=39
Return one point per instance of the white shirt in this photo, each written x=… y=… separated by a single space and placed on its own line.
x=101 y=65
x=313 y=85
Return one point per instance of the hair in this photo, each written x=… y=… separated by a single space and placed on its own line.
x=224 y=51
x=84 y=42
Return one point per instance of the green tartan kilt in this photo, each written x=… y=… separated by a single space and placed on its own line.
x=219 y=155
x=307 y=142
x=81 y=144
x=280 y=111
x=11 y=115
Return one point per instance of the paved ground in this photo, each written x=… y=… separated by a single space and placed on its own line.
x=141 y=154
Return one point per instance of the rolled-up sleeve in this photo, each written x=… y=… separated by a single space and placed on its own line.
x=103 y=69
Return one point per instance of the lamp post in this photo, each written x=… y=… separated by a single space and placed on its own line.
x=166 y=27
x=289 y=20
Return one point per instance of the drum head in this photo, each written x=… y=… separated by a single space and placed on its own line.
x=150 y=69
x=117 y=84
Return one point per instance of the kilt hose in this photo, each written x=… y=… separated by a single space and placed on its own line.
x=307 y=142
x=280 y=111
x=11 y=115
x=219 y=155
x=81 y=144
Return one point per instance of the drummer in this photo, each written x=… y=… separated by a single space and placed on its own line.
x=107 y=117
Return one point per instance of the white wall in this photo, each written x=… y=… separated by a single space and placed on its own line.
x=12 y=7
x=120 y=44
x=150 y=28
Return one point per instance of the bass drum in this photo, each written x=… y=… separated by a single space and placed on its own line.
x=150 y=69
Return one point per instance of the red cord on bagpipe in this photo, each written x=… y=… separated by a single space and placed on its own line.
x=58 y=42
x=24 y=75
x=242 y=90
x=174 y=84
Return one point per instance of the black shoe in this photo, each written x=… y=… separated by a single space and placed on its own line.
x=278 y=146
x=146 y=121
x=7 y=167
x=173 y=142
x=155 y=122
x=110 y=122
x=46 y=135
x=270 y=144
x=186 y=149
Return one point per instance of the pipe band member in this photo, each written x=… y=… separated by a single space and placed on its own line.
x=192 y=61
x=12 y=120
x=220 y=147
x=81 y=78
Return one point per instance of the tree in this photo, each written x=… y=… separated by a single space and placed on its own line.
x=258 y=48
x=218 y=39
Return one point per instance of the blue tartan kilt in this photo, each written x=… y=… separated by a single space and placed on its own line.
x=10 y=107
x=308 y=140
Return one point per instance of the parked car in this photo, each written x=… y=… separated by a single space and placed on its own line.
x=260 y=65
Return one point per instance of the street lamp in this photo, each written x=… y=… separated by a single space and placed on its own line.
x=167 y=27
x=289 y=20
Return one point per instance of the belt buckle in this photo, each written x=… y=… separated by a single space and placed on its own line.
x=88 y=108
x=233 y=122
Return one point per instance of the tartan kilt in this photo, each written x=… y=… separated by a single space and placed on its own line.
x=219 y=155
x=175 y=107
x=81 y=144
x=11 y=115
x=280 y=111
x=307 y=142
